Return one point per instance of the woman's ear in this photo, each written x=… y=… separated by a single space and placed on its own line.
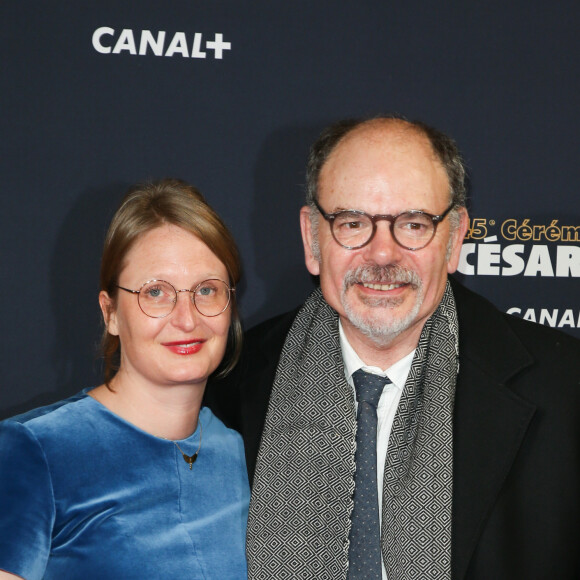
x=109 y=312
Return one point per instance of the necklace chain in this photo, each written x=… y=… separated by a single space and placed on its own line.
x=190 y=459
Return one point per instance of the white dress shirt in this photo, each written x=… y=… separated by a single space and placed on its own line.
x=388 y=402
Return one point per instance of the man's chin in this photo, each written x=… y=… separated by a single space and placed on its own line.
x=382 y=330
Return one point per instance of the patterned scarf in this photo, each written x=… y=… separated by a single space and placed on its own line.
x=299 y=519
x=418 y=479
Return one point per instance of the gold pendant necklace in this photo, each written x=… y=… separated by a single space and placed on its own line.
x=190 y=459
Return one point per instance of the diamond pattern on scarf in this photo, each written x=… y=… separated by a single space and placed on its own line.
x=365 y=533
x=299 y=521
x=418 y=477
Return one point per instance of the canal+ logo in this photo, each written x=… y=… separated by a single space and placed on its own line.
x=107 y=40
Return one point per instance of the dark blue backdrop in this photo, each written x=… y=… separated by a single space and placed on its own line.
x=80 y=124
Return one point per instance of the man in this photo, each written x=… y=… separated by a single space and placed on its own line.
x=464 y=465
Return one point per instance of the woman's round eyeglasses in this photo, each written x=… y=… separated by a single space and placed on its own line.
x=412 y=229
x=157 y=298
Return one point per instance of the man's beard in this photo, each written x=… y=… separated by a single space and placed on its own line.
x=372 y=325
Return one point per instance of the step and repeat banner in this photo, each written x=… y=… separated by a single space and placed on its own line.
x=229 y=95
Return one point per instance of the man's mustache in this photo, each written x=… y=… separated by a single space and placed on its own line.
x=390 y=274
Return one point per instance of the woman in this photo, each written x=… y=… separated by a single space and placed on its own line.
x=133 y=479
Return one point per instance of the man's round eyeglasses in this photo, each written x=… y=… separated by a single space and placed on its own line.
x=412 y=229
x=157 y=298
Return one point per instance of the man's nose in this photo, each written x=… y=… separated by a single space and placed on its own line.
x=383 y=248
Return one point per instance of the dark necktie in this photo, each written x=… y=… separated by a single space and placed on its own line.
x=365 y=533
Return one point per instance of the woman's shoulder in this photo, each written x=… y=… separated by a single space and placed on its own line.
x=62 y=415
x=47 y=409
x=212 y=424
x=217 y=435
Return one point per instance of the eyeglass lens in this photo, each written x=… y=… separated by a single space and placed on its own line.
x=411 y=229
x=158 y=298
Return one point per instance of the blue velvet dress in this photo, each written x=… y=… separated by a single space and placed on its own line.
x=85 y=494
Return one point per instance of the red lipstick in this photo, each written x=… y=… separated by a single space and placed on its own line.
x=185 y=347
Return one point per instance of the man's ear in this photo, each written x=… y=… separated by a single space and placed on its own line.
x=457 y=240
x=109 y=313
x=310 y=257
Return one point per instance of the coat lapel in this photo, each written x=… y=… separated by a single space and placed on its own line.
x=490 y=420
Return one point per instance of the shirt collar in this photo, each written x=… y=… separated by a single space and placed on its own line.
x=397 y=372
